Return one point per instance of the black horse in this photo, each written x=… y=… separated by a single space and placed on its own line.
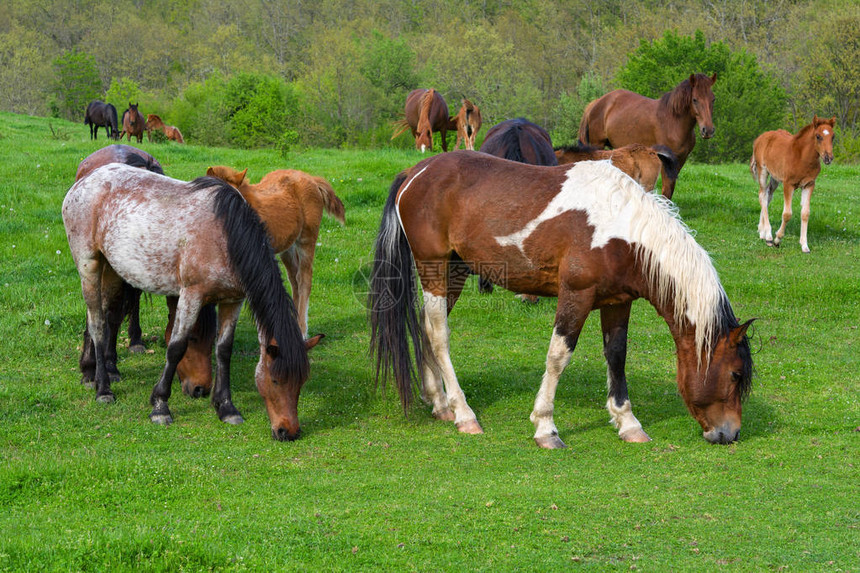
x=101 y=114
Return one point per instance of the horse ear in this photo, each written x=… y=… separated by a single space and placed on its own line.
x=736 y=335
x=313 y=341
x=692 y=80
x=714 y=78
x=832 y=121
x=240 y=177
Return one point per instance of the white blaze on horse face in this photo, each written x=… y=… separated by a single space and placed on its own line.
x=826 y=132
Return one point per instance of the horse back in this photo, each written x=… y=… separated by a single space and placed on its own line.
x=782 y=156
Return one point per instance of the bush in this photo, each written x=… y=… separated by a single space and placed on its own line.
x=568 y=112
x=77 y=83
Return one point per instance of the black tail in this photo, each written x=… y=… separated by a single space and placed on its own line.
x=393 y=303
x=254 y=263
x=669 y=160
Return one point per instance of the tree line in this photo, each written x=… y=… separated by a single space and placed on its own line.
x=281 y=73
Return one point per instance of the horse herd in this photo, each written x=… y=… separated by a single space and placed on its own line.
x=101 y=114
x=572 y=223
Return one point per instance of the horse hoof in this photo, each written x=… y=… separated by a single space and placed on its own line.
x=445 y=415
x=635 y=436
x=137 y=348
x=161 y=419
x=768 y=243
x=233 y=419
x=552 y=442
x=470 y=427
x=108 y=398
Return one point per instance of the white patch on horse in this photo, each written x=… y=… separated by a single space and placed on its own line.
x=390 y=236
x=825 y=132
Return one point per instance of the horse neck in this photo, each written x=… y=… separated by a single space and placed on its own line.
x=686 y=118
x=804 y=142
x=683 y=333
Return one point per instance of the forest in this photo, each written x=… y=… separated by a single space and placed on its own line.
x=335 y=73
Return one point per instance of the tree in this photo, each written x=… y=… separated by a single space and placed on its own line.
x=77 y=83
x=748 y=101
x=568 y=112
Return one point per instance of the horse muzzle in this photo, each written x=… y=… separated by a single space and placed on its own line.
x=827 y=158
x=707 y=132
x=284 y=435
x=726 y=434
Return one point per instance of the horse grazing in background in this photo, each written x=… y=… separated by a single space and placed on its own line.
x=794 y=161
x=133 y=123
x=585 y=233
x=209 y=247
x=426 y=112
x=195 y=369
x=170 y=131
x=467 y=122
x=640 y=162
x=101 y=114
x=622 y=117
x=290 y=204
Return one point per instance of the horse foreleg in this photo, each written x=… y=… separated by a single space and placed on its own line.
x=222 y=400
x=805 y=204
x=788 y=195
x=613 y=321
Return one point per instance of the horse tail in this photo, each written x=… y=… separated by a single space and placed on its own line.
x=254 y=263
x=179 y=138
x=670 y=162
x=400 y=126
x=331 y=202
x=584 y=128
x=393 y=304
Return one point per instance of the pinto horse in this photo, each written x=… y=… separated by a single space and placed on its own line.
x=585 y=233
x=195 y=369
x=133 y=123
x=210 y=246
x=640 y=162
x=467 y=122
x=101 y=114
x=622 y=117
x=794 y=160
x=291 y=204
x=170 y=131
x=426 y=112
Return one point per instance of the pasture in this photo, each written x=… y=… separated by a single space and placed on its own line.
x=88 y=486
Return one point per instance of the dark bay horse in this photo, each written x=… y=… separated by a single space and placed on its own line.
x=585 y=233
x=208 y=247
x=133 y=123
x=640 y=162
x=467 y=123
x=426 y=112
x=195 y=369
x=622 y=117
x=794 y=160
x=101 y=114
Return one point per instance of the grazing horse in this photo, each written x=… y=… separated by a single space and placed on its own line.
x=210 y=246
x=170 y=131
x=426 y=112
x=133 y=123
x=640 y=162
x=793 y=160
x=585 y=233
x=467 y=122
x=195 y=369
x=622 y=117
x=291 y=204
x=101 y=114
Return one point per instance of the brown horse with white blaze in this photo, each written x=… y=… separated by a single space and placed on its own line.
x=622 y=117
x=585 y=233
x=426 y=112
x=795 y=161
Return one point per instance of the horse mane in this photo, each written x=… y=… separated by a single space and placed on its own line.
x=678 y=99
x=254 y=263
x=805 y=130
x=424 y=107
x=678 y=270
x=509 y=141
x=578 y=147
x=150 y=164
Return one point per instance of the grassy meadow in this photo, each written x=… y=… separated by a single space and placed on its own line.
x=86 y=486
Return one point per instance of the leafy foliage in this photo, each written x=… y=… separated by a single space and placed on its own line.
x=76 y=84
x=570 y=108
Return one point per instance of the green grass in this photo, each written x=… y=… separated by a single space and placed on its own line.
x=86 y=486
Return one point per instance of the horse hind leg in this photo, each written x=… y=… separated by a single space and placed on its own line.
x=767 y=185
x=614 y=320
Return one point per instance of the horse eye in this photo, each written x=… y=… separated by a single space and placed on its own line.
x=736 y=376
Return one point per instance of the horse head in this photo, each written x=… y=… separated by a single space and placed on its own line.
x=133 y=114
x=824 y=138
x=716 y=401
x=703 y=103
x=228 y=174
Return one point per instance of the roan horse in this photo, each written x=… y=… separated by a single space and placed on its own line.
x=467 y=122
x=426 y=112
x=208 y=247
x=290 y=204
x=195 y=369
x=585 y=233
x=793 y=160
x=170 y=131
x=101 y=114
x=133 y=123
x=640 y=162
x=622 y=117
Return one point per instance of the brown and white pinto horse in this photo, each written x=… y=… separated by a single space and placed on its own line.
x=133 y=123
x=426 y=112
x=291 y=204
x=622 y=117
x=467 y=122
x=170 y=131
x=585 y=233
x=640 y=162
x=793 y=160
x=127 y=225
